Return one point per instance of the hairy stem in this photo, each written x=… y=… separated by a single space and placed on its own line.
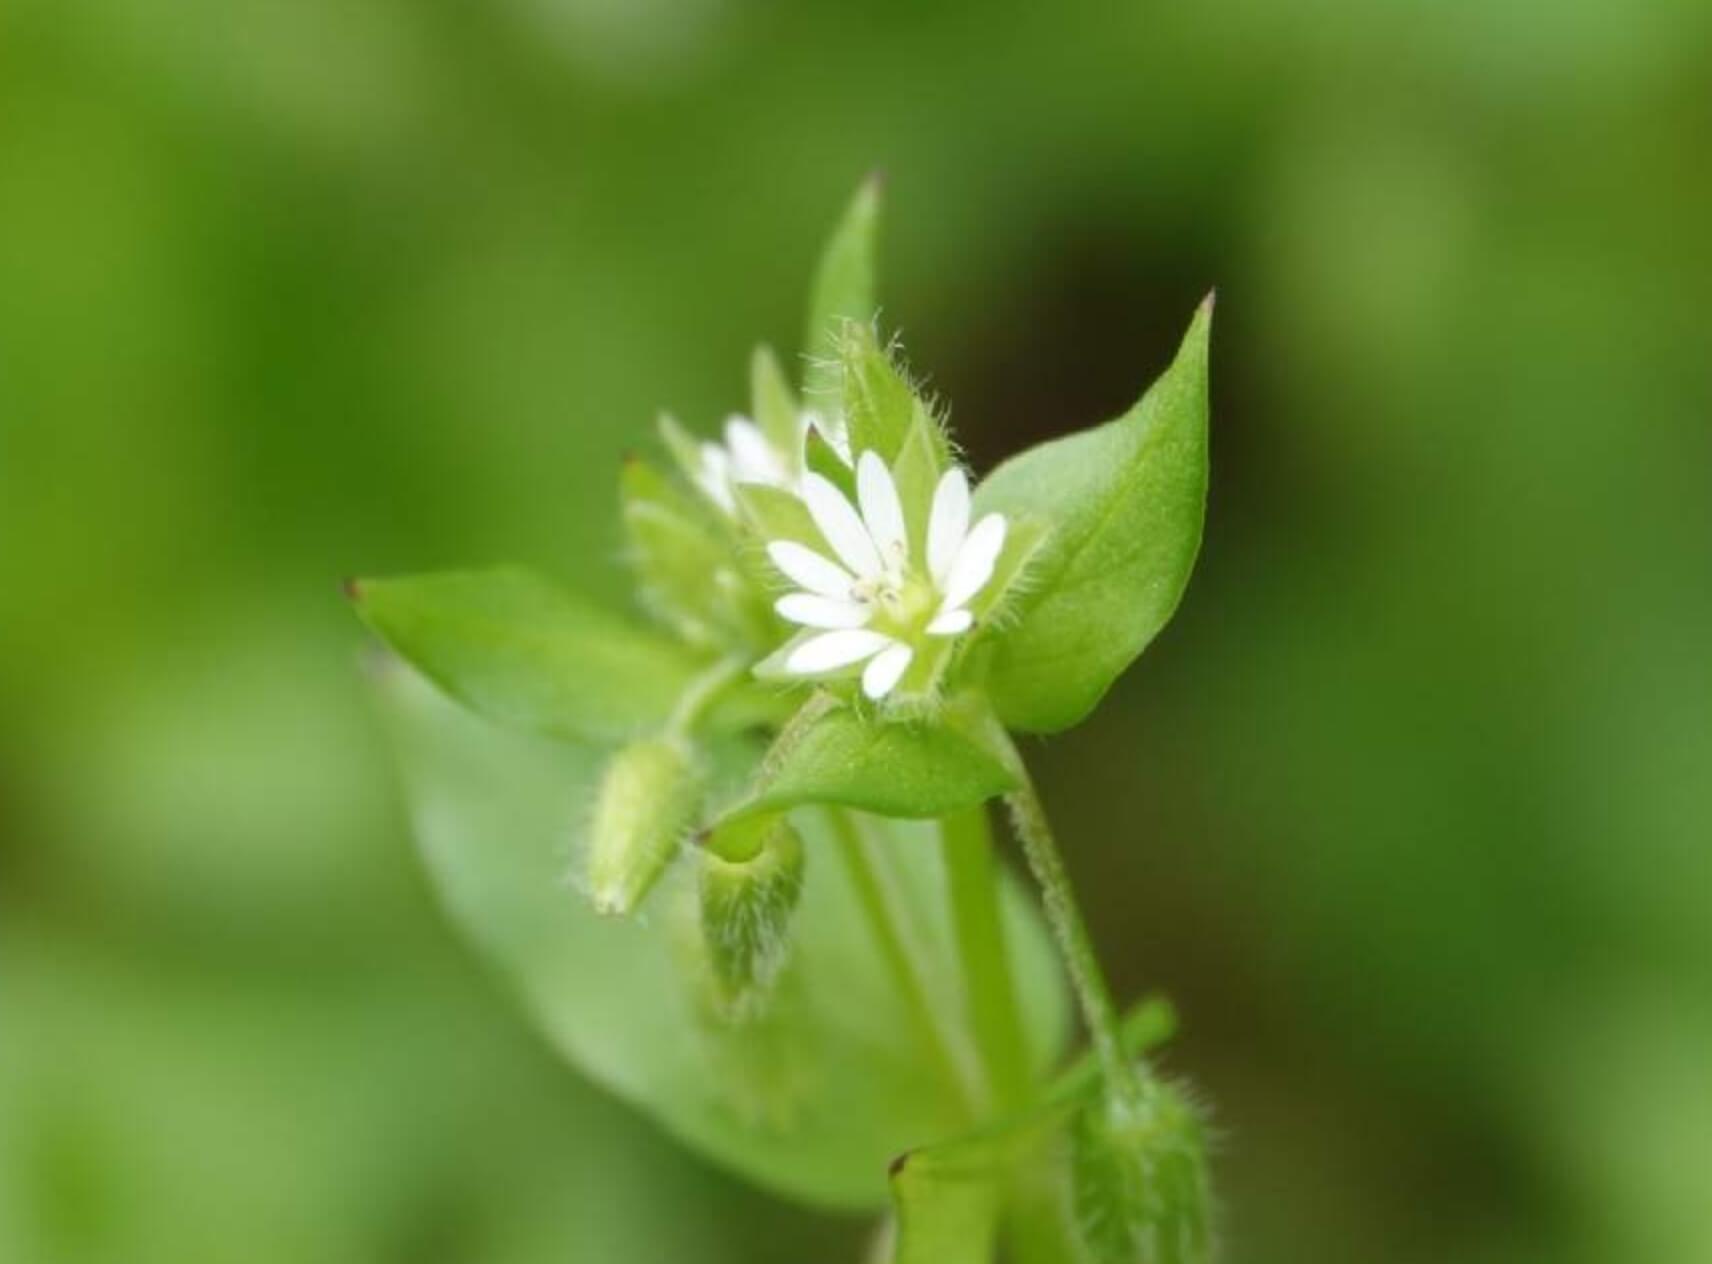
x=972 y=881
x=881 y=905
x=1028 y=815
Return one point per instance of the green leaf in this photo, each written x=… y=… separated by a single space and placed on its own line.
x=520 y=650
x=1126 y=502
x=915 y=770
x=843 y=291
x=813 y=1099
x=949 y=1198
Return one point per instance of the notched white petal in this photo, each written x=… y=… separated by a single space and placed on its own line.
x=886 y=669
x=975 y=561
x=947 y=524
x=806 y=567
x=951 y=623
x=832 y=650
x=881 y=511
x=815 y=611
x=840 y=525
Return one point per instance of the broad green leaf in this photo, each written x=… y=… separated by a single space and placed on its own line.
x=812 y=1100
x=914 y=770
x=1126 y=502
x=843 y=291
x=950 y=1198
x=520 y=650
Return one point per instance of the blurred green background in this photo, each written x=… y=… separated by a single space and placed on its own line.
x=1410 y=809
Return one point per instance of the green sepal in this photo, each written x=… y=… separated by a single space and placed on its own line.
x=1126 y=502
x=685 y=450
x=881 y=407
x=649 y=797
x=684 y=561
x=775 y=406
x=823 y=459
x=749 y=883
x=773 y=513
x=1138 y=1182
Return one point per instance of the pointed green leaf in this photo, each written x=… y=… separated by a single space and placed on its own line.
x=520 y=650
x=811 y=1098
x=843 y=291
x=837 y=755
x=1126 y=502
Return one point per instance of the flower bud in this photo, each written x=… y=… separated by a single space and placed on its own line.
x=1139 y=1181
x=751 y=880
x=649 y=797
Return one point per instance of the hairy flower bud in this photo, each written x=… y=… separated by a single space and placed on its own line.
x=1139 y=1181
x=751 y=880
x=649 y=797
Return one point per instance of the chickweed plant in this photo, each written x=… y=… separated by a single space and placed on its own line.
x=736 y=857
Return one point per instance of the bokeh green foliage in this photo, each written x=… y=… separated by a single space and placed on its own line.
x=1408 y=809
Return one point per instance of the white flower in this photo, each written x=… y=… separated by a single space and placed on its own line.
x=747 y=456
x=744 y=457
x=877 y=600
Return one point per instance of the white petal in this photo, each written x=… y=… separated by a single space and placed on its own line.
x=887 y=667
x=840 y=525
x=947 y=524
x=810 y=569
x=752 y=457
x=881 y=511
x=951 y=623
x=975 y=560
x=832 y=650
x=815 y=611
x=714 y=477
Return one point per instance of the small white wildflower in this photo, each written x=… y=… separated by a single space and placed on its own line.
x=874 y=604
x=748 y=456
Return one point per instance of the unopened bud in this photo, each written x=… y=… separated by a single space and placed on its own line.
x=649 y=797
x=1139 y=1181
x=751 y=880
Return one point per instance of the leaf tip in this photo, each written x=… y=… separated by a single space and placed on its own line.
x=896 y=1166
x=352 y=588
x=1206 y=308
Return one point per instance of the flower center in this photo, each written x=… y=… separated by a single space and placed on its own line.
x=901 y=603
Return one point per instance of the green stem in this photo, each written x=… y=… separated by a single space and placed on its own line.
x=705 y=690
x=1028 y=815
x=972 y=881
x=880 y=903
